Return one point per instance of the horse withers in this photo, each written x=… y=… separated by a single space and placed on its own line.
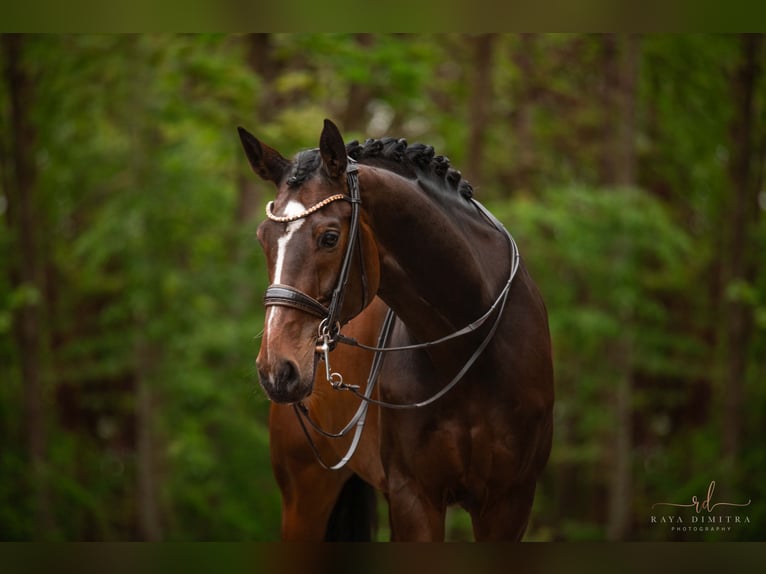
x=405 y=348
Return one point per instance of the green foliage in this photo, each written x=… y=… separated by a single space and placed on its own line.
x=153 y=275
x=138 y=181
x=603 y=259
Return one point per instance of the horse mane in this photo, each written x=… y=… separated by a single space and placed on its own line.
x=415 y=161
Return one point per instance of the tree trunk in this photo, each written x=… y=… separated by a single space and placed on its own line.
x=26 y=275
x=260 y=56
x=146 y=138
x=524 y=160
x=742 y=213
x=619 y=100
x=355 y=115
x=624 y=163
x=147 y=483
x=622 y=170
x=480 y=103
x=260 y=59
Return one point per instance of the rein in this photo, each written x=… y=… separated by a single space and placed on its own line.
x=498 y=304
x=329 y=329
x=359 y=418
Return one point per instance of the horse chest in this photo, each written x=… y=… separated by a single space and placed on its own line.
x=462 y=454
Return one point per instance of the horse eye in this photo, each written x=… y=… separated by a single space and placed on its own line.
x=329 y=239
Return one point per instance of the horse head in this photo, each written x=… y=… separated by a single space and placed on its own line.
x=310 y=240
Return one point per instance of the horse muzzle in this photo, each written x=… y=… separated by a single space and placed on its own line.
x=283 y=382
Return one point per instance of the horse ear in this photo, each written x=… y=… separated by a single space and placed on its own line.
x=333 y=150
x=266 y=162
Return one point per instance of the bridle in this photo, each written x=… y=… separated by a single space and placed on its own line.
x=329 y=328
x=288 y=296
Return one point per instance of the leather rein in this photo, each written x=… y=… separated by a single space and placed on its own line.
x=329 y=329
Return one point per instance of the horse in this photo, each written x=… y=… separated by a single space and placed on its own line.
x=399 y=307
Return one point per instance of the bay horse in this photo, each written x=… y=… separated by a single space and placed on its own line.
x=405 y=347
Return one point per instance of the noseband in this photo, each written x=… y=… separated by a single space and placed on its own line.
x=288 y=296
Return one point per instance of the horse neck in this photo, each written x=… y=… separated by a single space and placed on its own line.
x=435 y=270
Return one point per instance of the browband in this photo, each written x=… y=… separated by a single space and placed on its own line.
x=309 y=211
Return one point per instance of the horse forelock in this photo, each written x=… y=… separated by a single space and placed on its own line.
x=305 y=165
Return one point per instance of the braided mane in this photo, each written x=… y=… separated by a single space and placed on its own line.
x=415 y=161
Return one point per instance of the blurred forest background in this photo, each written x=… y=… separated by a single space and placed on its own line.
x=630 y=169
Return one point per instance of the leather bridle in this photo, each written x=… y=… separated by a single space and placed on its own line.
x=329 y=328
x=288 y=296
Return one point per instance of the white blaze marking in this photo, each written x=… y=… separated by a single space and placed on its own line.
x=292 y=208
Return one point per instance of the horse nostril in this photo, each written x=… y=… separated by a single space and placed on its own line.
x=286 y=373
x=282 y=382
